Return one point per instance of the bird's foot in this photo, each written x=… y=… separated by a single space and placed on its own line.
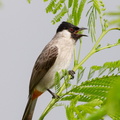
x=54 y=96
x=71 y=72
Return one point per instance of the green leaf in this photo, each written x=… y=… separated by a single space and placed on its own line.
x=115 y=17
x=45 y=0
x=59 y=16
x=71 y=108
x=58 y=6
x=74 y=101
x=118 y=41
x=98 y=114
x=93 y=89
x=96 y=8
x=50 y=6
x=29 y=1
x=57 y=82
x=107 y=68
x=80 y=74
x=70 y=2
x=79 y=112
x=74 y=11
x=90 y=106
x=113 y=13
x=69 y=113
x=97 y=5
x=92 y=71
x=80 y=10
x=113 y=102
x=92 y=22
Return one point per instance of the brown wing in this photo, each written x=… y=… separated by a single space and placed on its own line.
x=42 y=65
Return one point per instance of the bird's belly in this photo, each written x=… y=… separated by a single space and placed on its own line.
x=62 y=62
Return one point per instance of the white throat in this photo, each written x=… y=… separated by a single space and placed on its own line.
x=65 y=34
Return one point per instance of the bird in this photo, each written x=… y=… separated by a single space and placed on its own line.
x=55 y=57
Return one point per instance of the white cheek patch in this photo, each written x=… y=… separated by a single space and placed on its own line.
x=66 y=34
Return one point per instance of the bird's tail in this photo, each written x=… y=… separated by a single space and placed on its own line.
x=29 y=110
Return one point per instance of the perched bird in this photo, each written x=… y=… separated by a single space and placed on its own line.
x=55 y=57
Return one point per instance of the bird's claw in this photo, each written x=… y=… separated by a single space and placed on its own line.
x=55 y=96
x=71 y=72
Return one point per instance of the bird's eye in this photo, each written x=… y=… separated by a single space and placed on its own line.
x=71 y=29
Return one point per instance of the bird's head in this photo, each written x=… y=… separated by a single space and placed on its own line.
x=72 y=29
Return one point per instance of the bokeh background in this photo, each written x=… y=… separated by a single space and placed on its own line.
x=24 y=31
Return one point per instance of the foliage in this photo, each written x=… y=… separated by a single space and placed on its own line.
x=73 y=8
x=98 y=95
x=92 y=89
x=79 y=112
x=97 y=7
x=108 y=67
x=115 y=15
x=113 y=103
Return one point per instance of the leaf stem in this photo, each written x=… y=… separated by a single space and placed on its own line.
x=48 y=108
x=108 y=46
x=52 y=102
x=93 y=50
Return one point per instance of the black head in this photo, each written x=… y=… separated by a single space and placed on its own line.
x=71 y=28
x=67 y=26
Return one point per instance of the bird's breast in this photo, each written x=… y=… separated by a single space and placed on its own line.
x=65 y=52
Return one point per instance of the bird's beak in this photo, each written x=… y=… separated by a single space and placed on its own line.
x=78 y=34
x=80 y=29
